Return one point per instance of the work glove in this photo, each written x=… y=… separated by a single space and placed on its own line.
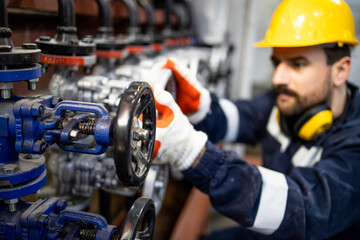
x=193 y=99
x=177 y=142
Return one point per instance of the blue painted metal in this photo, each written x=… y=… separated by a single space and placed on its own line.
x=31 y=124
x=28 y=175
x=23 y=190
x=48 y=218
x=15 y=75
x=102 y=128
x=34 y=123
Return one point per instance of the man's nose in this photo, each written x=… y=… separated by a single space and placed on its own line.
x=281 y=74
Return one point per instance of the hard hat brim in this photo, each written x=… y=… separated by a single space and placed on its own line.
x=264 y=43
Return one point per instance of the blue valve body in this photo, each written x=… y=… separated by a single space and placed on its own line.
x=33 y=123
x=30 y=125
x=48 y=218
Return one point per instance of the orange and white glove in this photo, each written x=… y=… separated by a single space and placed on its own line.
x=193 y=99
x=177 y=142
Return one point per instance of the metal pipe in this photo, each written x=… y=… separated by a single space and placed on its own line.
x=66 y=30
x=168 y=9
x=181 y=14
x=149 y=16
x=133 y=14
x=104 y=13
x=66 y=13
x=187 y=8
x=133 y=19
x=5 y=36
x=105 y=29
x=4 y=20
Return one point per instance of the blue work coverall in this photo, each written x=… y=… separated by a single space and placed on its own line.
x=304 y=190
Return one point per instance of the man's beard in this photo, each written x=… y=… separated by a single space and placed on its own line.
x=300 y=105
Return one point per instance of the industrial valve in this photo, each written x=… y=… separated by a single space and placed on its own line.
x=77 y=175
x=65 y=48
x=183 y=11
x=32 y=124
x=29 y=125
x=109 y=49
x=141 y=45
x=210 y=63
x=85 y=174
x=155 y=39
x=169 y=40
x=48 y=218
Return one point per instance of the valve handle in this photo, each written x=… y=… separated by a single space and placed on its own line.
x=139 y=222
x=134 y=133
x=156 y=183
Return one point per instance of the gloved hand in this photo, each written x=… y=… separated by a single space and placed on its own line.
x=193 y=99
x=177 y=142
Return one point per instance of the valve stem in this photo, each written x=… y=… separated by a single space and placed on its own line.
x=87 y=234
x=88 y=127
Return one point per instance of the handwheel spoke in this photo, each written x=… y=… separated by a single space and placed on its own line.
x=145 y=102
x=141 y=158
x=144 y=235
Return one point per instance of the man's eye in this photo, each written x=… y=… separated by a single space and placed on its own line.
x=275 y=62
x=298 y=64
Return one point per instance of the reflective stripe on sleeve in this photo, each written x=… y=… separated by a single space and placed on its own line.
x=274 y=193
x=233 y=120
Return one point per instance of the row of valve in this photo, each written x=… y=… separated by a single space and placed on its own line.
x=96 y=113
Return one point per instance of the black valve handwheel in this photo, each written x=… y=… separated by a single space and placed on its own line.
x=140 y=221
x=134 y=133
x=156 y=183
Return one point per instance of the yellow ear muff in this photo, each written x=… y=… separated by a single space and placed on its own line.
x=310 y=124
x=317 y=124
x=313 y=122
x=278 y=116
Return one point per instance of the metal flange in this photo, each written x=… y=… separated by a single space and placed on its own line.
x=75 y=47
x=15 y=75
x=68 y=60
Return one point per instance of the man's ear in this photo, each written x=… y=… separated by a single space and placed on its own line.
x=341 y=70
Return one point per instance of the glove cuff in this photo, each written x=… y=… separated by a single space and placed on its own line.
x=193 y=150
x=205 y=102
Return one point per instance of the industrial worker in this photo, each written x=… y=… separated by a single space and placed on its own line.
x=308 y=126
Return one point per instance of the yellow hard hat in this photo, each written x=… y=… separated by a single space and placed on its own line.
x=299 y=23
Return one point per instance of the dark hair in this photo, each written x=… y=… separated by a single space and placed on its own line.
x=334 y=53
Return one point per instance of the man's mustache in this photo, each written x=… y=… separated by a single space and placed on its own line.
x=279 y=89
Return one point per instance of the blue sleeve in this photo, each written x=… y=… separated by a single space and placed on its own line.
x=232 y=184
x=321 y=201
x=324 y=200
x=253 y=115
